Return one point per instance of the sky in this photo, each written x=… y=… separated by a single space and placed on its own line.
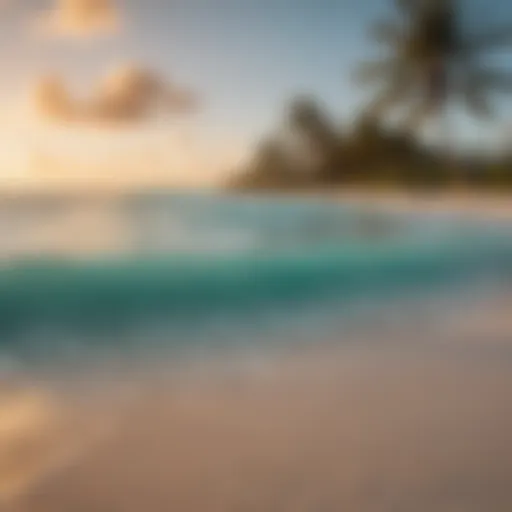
x=178 y=91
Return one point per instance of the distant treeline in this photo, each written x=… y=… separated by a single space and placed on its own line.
x=313 y=151
x=429 y=59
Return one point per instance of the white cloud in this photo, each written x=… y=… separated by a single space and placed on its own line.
x=128 y=94
x=79 y=18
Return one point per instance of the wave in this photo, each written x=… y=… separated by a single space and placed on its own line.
x=113 y=292
x=290 y=263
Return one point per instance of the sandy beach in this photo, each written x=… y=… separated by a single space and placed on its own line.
x=415 y=417
x=476 y=205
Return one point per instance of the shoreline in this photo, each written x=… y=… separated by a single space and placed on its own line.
x=494 y=204
x=491 y=204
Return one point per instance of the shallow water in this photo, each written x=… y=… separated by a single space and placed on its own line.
x=107 y=267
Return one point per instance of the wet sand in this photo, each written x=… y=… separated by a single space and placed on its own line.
x=415 y=419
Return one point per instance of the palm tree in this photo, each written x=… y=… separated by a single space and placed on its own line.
x=317 y=135
x=432 y=61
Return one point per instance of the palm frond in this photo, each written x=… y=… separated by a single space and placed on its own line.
x=427 y=47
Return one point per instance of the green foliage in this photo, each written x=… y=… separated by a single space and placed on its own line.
x=430 y=60
x=370 y=154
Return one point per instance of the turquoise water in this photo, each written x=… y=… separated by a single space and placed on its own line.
x=181 y=270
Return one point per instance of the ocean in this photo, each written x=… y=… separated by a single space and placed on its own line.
x=90 y=268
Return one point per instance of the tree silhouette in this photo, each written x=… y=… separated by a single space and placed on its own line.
x=269 y=168
x=319 y=137
x=433 y=59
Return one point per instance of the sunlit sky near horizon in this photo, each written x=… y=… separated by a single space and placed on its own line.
x=242 y=60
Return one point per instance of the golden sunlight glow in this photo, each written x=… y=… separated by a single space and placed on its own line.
x=37 y=154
